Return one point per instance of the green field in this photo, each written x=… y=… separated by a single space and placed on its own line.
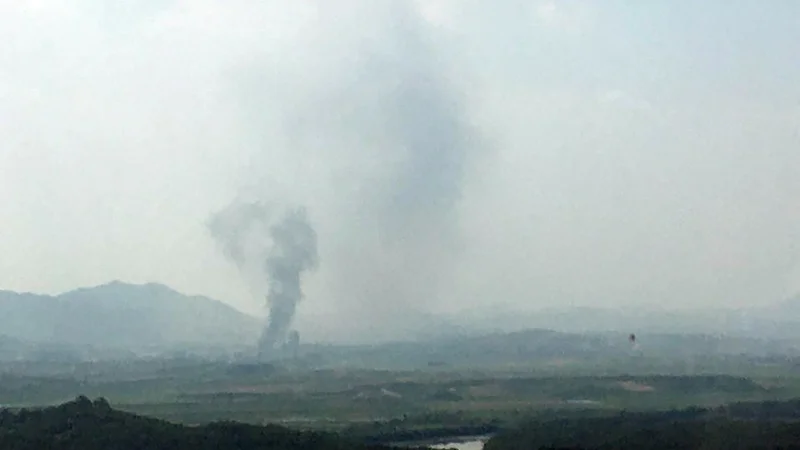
x=417 y=391
x=399 y=403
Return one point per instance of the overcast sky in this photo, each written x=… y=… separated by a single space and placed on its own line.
x=451 y=154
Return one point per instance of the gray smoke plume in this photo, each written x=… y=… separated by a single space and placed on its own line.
x=272 y=252
x=394 y=116
x=389 y=107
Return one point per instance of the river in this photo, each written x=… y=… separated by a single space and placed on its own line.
x=462 y=445
x=455 y=442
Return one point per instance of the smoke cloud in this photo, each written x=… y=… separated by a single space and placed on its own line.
x=394 y=116
x=272 y=248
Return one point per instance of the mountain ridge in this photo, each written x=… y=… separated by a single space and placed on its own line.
x=126 y=316
x=153 y=317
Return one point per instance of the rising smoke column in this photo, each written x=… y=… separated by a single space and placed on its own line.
x=272 y=252
x=373 y=94
x=293 y=252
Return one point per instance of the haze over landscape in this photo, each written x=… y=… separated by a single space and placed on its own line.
x=399 y=224
x=452 y=157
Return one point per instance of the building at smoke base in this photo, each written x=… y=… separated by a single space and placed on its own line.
x=272 y=249
x=289 y=349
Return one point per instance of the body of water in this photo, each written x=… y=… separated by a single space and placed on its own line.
x=462 y=445
x=456 y=442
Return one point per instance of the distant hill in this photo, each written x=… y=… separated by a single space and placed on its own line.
x=120 y=319
x=123 y=316
x=555 y=349
x=779 y=321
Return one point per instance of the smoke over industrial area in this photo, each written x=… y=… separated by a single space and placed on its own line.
x=450 y=156
x=272 y=248
x=396 y=120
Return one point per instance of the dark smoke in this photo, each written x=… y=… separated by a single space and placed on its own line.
x=272 y=253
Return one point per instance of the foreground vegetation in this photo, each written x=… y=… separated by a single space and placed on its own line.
x=522 y=391
x=380 y=402
x=86 y=425
x=763 y=425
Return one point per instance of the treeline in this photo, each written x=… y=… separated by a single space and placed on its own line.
x=753 y=425
x=93 y=425
x=83 y=424
x=430 y=426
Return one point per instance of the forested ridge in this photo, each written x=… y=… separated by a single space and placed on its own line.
x=93 y=425
x=747 y=425
x=83 y=424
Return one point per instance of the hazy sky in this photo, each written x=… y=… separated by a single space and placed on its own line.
x=451 y=154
